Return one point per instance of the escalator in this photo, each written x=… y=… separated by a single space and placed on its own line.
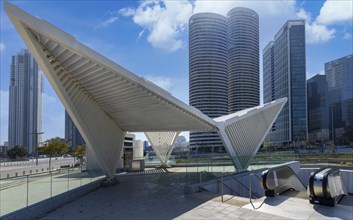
x=326 y=187
x=278 y=180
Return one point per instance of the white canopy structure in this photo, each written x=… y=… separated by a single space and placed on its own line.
x=163 y=144
x=105 y=100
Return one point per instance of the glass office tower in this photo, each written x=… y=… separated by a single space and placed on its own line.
x=339 y=75
x=223 y=66
x=25 y=102
x=208 y=74
x=285 y=76
x=72 y=135
x=243 y=59
x=319 y=101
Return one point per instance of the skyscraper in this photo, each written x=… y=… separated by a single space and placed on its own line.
x=339 y=75
x=72 y=135
x=284 y=72
x=25 y=101
x=319 y=101
x=223 y=67
x=243 y=59
x=208 y=73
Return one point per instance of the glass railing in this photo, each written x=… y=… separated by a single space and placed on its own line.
x=222 y=164
x=22 y=191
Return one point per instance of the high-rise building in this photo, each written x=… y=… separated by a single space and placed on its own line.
x=284 y=72
x=25 y=102
x=72 y=135
x=318 y=109
x=243 y=59
x=223 y=67
x=208 y=74
x=339 y=75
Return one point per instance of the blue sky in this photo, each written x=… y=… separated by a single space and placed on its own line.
x=150 y=38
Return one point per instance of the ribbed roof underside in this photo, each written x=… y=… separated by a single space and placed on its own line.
x=133 y=106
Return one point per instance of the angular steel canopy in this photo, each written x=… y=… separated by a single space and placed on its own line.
x=105 y=100
x=162 y=144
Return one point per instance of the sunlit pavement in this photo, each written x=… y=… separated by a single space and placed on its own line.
x=158 y=194
x=153 y=196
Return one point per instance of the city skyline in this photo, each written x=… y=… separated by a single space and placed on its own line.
x=148 y=52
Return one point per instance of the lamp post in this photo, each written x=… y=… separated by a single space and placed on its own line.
x=70 y=146
x=37 y=133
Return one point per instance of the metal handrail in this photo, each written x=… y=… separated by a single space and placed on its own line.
x=218 y=180
x=250 y=184
x=235 y=192
x=255 y=193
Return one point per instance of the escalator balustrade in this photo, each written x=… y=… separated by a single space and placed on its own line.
x=326 y=186
x=278 y=180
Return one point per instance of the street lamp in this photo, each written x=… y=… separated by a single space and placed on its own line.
x=37 y=133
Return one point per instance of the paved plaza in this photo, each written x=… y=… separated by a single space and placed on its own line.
x=160 y=195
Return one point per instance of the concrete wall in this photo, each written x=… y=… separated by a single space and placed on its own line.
x=137 y=150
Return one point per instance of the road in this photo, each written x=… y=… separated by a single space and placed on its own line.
x=10 y=169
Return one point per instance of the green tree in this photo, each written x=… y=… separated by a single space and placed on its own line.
x=17 y=152
x=80 y=152
x=3 y=154
x=52 y=147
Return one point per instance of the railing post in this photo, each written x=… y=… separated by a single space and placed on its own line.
x=250 y=183
x=222 y=186
x=200 y=182
x=68 y=178
x=27 y=190
x=51 y=184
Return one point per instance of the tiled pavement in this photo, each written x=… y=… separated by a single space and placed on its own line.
x=159 y=196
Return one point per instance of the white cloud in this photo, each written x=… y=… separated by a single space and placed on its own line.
x=336 y=11
x=178 y=87
x=2 y=47
x=347 y=36
x=164 y=21
x=315 y=33
x=107 y=22
x=127 y=12
x=272 y=14
x=273 y=8
x=141 y=34
x=161 y=81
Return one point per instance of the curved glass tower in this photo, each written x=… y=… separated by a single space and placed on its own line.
x=208 y=73
x=243 y=59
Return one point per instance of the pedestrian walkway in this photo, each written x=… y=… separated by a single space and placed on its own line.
x=159 y=196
